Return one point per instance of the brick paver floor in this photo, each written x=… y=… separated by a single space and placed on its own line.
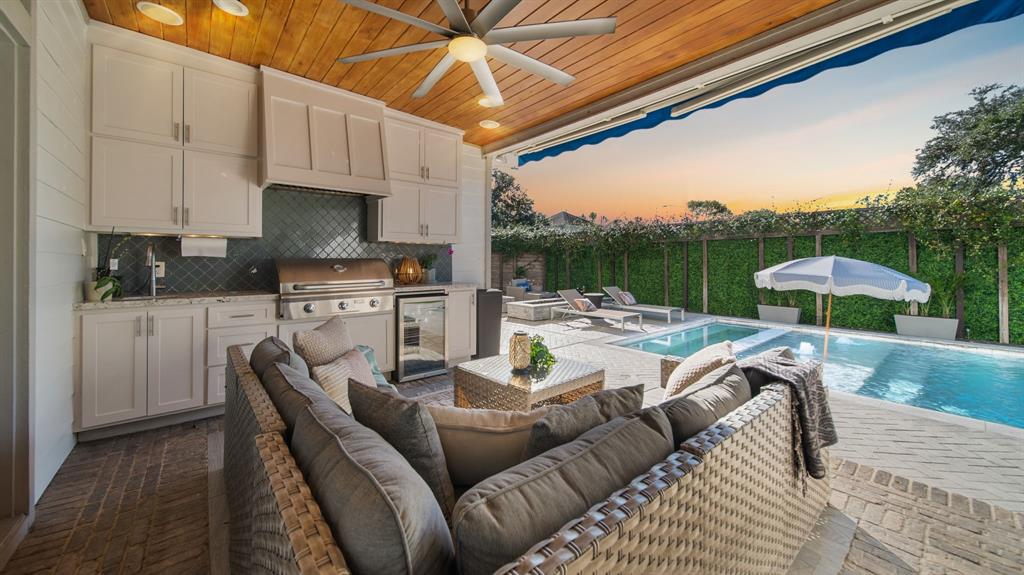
x=131 y=504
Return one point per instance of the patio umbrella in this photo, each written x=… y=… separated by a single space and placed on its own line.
x=842 y=276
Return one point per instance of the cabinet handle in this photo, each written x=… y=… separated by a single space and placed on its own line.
x=138 y=326
x=151 y=325
x=177 y=131
x=186 y=217
x=428 y=172
x=423 y=174
x=174 y=215
x=241 y=315
x=428 y=229
x=188 y=133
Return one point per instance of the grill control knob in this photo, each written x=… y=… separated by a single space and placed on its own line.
x=343 y=305
x=374 y=302
x=309 y=308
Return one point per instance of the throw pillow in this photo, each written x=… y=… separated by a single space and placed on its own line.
x=620 y=401
x=272 y=350
x=697 y=366
x=379 y=509
x=325 y=343
x=408 y=426
x=584 y=304
x=628 y=299
x=291 y=391
x=334 y=376
x=562 y=424
x=707 y=401
x=479 y=443
x=504 y=516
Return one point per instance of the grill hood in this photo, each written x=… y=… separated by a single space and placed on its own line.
x=309 y=276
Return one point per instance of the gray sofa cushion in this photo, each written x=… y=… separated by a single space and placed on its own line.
x=291 y=391
x=618 y=402
x=706 y=401
x=408 y=426
x=562 y=424
x=505 y=515
x=272 y=350
x=381 y=512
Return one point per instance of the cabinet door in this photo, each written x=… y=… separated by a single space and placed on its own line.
x=441 y=154
x=378 y=332
x=136 y=97
x=400 y=214
x=461 y=324
x=136 y=187
x=176 y=367
x=221 y=195
x=113 y=367
x=439 y=212
x=215 y=380
x=219 y=340
x=220 y=114
x=405 y=142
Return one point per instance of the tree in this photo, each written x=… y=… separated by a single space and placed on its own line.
x=708 y=209
x=979 y=147
x=510 y=206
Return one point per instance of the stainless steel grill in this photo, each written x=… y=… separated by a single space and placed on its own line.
x=315 y=288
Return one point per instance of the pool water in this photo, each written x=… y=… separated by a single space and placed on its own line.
x=686 y=342
x=981 y=384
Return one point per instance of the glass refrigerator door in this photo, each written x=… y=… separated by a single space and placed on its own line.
x=423 y=349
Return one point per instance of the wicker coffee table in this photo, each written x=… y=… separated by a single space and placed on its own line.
x=490 y=383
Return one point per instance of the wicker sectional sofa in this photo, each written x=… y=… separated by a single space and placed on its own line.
x=727 y=501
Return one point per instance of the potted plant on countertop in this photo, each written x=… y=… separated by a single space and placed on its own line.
x=104 y=284
x=779 y=313
x=427 y=263
x=944 y=290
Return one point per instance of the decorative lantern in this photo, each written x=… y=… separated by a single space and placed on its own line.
x=519 y=351
x=409 y=271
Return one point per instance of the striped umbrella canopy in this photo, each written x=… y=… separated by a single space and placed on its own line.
x=842 y=277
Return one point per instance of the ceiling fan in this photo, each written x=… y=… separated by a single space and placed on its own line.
x=470 y=37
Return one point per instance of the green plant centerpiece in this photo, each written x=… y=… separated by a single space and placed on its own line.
x=541 y=358
x=105 y=285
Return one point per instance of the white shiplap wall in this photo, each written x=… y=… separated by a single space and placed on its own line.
x=61 y=194
x=469 y=260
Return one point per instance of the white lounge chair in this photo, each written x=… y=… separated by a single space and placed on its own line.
x=570 y=296
x=616 y=294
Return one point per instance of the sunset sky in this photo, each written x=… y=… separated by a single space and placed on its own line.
x=844 y=134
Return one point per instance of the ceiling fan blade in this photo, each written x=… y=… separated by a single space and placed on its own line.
x=400 y=16
x=456 y=19
x=486 y=81
x=531 y=65
x=439 y=70
x=550 y=30
x=491 y=15
x=393 y=52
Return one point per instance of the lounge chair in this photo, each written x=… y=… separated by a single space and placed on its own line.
x=570 y=296
x=616 y=295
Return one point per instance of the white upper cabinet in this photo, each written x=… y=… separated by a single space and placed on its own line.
x=321 y=137
x=402 y=209
x=423 y=154
x=221 y=195
x=136 y=97
x=136 y=186
x=220 y=114
x=439 y=212
x=415 y=214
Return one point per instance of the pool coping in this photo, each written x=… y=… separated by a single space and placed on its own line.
x=961 y=420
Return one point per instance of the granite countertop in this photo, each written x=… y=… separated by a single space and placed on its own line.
x=443 y=285
x=186 y=298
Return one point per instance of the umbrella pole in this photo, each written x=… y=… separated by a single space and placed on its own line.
x=828 y=321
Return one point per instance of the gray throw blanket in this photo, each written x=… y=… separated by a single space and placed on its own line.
x=813 y=428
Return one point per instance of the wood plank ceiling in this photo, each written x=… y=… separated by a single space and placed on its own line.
x=305 y=37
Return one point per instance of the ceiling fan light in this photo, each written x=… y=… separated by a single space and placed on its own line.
x=467 y=48
x=161 y=14
x=233 y=7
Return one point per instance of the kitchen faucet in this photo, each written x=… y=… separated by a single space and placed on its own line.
x=151 y=262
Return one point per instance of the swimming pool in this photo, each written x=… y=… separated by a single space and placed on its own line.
x=979 y=383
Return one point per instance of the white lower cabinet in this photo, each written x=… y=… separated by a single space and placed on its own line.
x=461 y=324
x=113 y=367
x=175 y=359
x=215 y=378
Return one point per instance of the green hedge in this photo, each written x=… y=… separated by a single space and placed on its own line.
x=675 y=274
x=1015 y=259
x=863 y=312
x=695 y=297
x=584 y=271
x=731 y=268
x=981 y=286
x=646 y=274
x=933 y=264
x=803 y=247
x=555 y=264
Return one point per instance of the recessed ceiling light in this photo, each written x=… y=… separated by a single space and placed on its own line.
x=233 y=7
x=485 y=102
x=161 y=14
x=489 y=124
